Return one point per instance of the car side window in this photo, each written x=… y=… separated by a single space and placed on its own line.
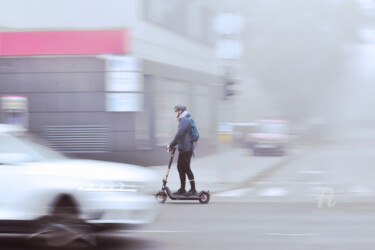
x=13 y=150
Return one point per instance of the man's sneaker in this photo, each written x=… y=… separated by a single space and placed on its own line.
x=180 y=192
x=192 y=192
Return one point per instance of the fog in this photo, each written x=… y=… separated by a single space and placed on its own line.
x=313 y=59
x=281 y=92
x=300 y=60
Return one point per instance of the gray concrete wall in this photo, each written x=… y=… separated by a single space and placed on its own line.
x=71 y=91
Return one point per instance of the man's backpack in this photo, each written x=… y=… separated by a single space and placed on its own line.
x=194 y=130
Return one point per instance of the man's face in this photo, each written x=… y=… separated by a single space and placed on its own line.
x=178 y=113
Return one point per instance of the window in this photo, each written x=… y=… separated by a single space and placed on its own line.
x=124 y=84
x=13 y=149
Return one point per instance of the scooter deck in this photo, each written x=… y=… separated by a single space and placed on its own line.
x=187 y=196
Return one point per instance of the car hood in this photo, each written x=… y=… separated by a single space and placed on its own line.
x=90 y=169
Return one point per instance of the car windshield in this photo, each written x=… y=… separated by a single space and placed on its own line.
x=20 y=149
x=271 y=128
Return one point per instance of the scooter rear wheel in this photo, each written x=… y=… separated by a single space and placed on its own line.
x=161 y=197
x=204 y=198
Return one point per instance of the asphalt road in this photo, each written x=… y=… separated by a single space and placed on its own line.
x=339 y=172
x=262 y=226
x=288 y=209
x=246 y=226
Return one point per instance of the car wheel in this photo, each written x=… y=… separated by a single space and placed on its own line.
x=64 y=226
x=161 y=197
x=204 y=198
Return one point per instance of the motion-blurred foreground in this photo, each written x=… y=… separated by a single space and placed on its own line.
x=60 y=200
x=281 y=91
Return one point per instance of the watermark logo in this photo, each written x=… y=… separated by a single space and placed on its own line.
x=326 y=197
x=326 y=202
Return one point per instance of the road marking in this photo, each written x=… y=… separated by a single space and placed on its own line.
x=284 y=234
x=153 y=231
x=171 y=231
x=273 y=192
x=236 y=192
x=360 y=191
x=312 y=172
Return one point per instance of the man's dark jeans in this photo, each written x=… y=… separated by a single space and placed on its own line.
x=183 y=166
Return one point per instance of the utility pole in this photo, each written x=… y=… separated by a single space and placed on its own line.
x=228 y=26
x=228 y=50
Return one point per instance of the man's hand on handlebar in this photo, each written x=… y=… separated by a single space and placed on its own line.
x=169 y=148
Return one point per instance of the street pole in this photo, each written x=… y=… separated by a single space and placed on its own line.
x=228 y=26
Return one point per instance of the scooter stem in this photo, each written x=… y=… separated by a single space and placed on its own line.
x=169 y=166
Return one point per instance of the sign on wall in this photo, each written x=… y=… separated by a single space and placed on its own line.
x=124 y=84
x=124 y=81
x=14 y=109
x=120 y=102
x=70 y=42
x=14 y=103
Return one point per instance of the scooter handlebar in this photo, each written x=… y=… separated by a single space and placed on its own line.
x=171 y=149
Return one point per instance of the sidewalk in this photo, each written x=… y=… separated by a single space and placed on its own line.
x=229 y=169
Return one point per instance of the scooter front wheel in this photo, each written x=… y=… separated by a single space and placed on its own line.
x=161 y=197
x=204 y=198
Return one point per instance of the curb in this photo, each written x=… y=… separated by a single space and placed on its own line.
x=262 y=174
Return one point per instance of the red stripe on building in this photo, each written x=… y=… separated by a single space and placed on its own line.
x=64 y=42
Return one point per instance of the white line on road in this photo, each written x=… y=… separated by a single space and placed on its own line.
x=237 y=192
x=313 y=172
x=360 y=191
x=153 y=231
x=173 y=231
x=274 y=192
x=283 y=234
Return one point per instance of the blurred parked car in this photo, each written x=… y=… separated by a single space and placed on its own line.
x=240 y=130
x=56 y=200
x=269 y=137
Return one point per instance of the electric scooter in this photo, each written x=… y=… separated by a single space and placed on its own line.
x=161 y=196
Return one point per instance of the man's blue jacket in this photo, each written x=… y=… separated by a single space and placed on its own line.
x=183 y=136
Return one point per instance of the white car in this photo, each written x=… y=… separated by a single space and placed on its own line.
x=51 y=197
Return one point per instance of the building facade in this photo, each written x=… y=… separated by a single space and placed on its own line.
x=107 y=88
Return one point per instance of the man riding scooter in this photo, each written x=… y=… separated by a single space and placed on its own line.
x=185 y=147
